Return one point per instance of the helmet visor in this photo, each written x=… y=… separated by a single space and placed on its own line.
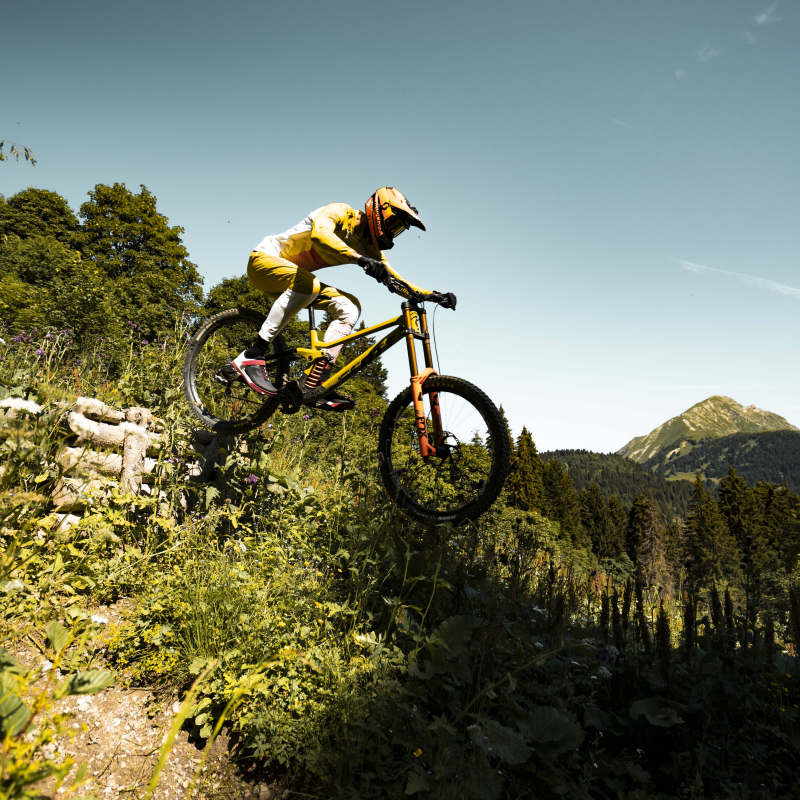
x=395 y=225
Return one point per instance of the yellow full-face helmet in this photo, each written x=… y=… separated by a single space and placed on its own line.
x=388 y=215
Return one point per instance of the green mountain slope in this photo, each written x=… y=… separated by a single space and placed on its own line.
x=713 y=418
x=773 y=457
x=615 y=474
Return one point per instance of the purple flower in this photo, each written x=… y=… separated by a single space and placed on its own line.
x=375 y=412
x=39 y=352
x=306 y=417
x=251 y=479
x=145 y=342
x=48 y=336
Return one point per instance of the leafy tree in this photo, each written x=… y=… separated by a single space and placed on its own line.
x=130 y=242
x=38 y=212
x=524 y=486
x=44 y=284
x=711 y=548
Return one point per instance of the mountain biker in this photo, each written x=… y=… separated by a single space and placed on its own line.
x=283 y=266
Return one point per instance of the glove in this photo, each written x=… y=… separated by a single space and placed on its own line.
x=375 y=269
x=448 y=300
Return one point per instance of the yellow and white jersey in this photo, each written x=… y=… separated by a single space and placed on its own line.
x=325 y=238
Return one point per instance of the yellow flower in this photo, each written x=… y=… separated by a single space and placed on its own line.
x=319 y=573
x=418 y=753
x=281 y=624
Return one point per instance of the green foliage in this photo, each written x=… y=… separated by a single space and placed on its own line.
x=617 y=475
x=130 y=242
x=561 y=502
x=710 y=547
x=524 y=485
x=363 y=656
x=38 y=212
x=769 y=456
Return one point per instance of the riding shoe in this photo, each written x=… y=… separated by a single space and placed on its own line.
x=251 y=366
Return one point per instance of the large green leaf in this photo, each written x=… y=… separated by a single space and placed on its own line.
x=58 y=636
x=550 y=731
x=497 y=741
x=418 y=782
x=13 y=712
x=89 y=682
x=657 y=711
x=454 y=634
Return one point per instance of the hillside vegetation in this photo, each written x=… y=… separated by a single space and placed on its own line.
x=771 y=457
x=618 y=475
x=558 y=647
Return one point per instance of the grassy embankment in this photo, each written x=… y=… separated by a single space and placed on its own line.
x=362 y=654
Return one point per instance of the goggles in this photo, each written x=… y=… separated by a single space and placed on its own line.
x=395 y=225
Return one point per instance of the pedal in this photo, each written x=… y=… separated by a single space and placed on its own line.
x=227 y=376
x=290 y=397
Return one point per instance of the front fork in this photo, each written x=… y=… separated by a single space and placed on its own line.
x=417 y=328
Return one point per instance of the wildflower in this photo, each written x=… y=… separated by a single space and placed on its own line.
x=375 y=412
x=145 y=342
x=603 y=673
x=251 y=479
x=306 y=417
x=39 y=351
x=418 y=752
x=19 y=404
x=98 y=619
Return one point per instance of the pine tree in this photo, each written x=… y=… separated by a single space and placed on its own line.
x=712 y=550
x=525 y=488
x=619 y=522
x=561 y=502
x=651 y=551
x=599 y=524
x=737 y=504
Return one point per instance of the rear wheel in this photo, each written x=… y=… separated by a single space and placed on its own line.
x=467 y=475
x=217 y=394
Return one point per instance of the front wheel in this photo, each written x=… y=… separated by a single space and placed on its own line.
x=468 y=472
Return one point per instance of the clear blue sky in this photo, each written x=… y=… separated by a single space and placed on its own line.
x=590 y=173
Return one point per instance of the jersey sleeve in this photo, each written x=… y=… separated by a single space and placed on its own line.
x=399 y=277
x=325 y=239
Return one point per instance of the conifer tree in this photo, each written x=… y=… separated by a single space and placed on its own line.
x=712 y=550
x=525 y=488
x=599 y=524
x=561 y=502
x=737 y=504
x=619 y=522
x=651 y=550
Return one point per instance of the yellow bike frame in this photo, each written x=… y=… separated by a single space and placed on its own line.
x=412 y=324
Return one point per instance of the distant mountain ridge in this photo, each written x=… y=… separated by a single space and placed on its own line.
x=713 y=418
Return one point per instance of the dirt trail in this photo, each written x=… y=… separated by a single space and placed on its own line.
x=123 y=740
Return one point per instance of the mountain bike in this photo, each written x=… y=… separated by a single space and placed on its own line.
x=443 y=448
